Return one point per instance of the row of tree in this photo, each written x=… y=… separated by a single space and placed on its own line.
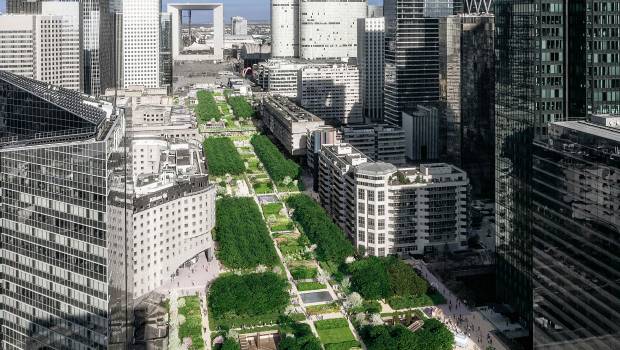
x=278 y=167
x=206 y=109
x=241 y=108
x=332 y=243
x=433 y=335
x=222 y=157
x=244 y=241
x=382 y=278
x=244 y=296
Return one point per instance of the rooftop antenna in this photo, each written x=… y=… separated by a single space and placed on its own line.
x=478 y=6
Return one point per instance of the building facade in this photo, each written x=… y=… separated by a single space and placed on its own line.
x=421 y=129
x=576 y=236
x=555 y=63
x=239 y=25
x=46 y=46
x=284 y=28
x=371 y=62
x=389 y=210
x=289 y=123
x=411 y=54
x=467 y=93
x=328 y=28
x=174 y=210
x=379 y=142
x=141 y=40
x=331 y=92
x=64 y=224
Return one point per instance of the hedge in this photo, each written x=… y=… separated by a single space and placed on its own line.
x=274 y=161
x=332 y=244
x=433 y=335
x=331 y=323
x=243 y=238
x=222 y=157
x=304 y=272
x=241 y=108
x=353 y=344
x=306 y=286
x=206 y=109
x=382 y=278
x=256 y=298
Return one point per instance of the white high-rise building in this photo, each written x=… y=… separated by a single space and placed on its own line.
x=328 y=28
x=331 y=92
x=371 y=61
x=45 y=47
x=391 y=210
x=239 y=26
x=141 y=43
x=284 y=28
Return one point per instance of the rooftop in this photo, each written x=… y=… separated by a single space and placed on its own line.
x=291 y=110
x=602 y=131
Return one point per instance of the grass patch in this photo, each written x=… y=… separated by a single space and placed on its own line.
x=304 y=272
x=272 y=208
x=263 y=187
x=335 y=334
x=192 y=327
x=306 y=286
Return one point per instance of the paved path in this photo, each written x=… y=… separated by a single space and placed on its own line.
x=459 y=317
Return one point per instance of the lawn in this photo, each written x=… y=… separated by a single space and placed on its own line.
x=272 y=209
x=192 y=327
x=263 y=187
x=306 y=286
x=303 y=272
x=335 y=334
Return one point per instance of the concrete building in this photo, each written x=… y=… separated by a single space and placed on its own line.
x=285 y=28
x=379 y=142
x=239 y=25
x=46 y=46
x=412 y=54
x=174 y=210
x=178 y=50
x=279 y=76
x=331 y=92
x=289 y=123
x=467 y=94
x=374 y=11
x=328 y=29
x=141 y=42
x=390 y=210
x=421 y=129
x=576 y=234
x=66 y=280
x=371 y=62
x=324 y=135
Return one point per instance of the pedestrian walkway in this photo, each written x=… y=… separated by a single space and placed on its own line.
x=459 y=317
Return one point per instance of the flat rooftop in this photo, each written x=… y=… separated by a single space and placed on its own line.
x=606 y=132
x=291 y=110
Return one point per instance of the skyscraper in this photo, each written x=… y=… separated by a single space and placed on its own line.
x=411 y=54
x=576 y=235
x=141 y=42
x=239 y=26
x=328 y=28
x=371 y=61
x=467 y=93
x=555 y=63
x=65 y=222
x=24 y=6
x=284 y=28
x=46 y=46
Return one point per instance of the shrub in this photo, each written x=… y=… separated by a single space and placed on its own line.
x=382 y=278
x=248 y=299
x=206 y=109
x=304 y=272
x=322 y=309
x=343 y=346
x=433 y=335
x=245 y=243
x=332 y=244
x=306 y=286
x=241 y=108
x=274 y=161
x=222 y=157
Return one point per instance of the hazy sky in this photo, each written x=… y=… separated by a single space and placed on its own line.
x=251 y=9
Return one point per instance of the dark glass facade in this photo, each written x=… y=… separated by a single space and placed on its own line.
x=544 y=73
x=23 y=6
x=64 y=282
x=576 y=237
x=411 y=54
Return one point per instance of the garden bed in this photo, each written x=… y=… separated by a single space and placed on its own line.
x=192 y=327
x=323 y=309
x=335 y=334
x=306 y=286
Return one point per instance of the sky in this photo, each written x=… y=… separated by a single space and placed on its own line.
x=250 y=9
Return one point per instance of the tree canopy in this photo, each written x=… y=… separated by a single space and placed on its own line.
x=278 y=166
x=381 y=278
x=433 y=335
x=222 y=157
x=206 y=108
x=240 y=106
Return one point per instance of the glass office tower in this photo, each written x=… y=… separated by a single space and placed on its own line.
x=554 y=63
x=576 y=236
x=64 y=220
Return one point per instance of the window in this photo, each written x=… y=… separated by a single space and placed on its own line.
x=361 y=221
x=381 y=252
x=371 y=237
x=371 y=195
x=360 y=193
x=381 y=224
x=381 y=238
x=361 y=236
x=371 y=224
x=381 y=209
x=381 y=196
x=371 y=209
x=361 y=208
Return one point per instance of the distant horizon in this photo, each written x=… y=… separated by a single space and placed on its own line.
x=257 y=10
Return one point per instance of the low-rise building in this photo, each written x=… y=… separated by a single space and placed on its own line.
x=289 y=123
x=380 y=142
x=389 y=210
x=174 y=210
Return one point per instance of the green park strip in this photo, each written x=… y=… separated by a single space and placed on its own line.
x=222 y=157
x=279 y=167
x=192 y=326
x=206 y=108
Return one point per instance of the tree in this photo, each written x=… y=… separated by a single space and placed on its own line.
x=370 y=278
x=230 y=344
x=403 y=279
